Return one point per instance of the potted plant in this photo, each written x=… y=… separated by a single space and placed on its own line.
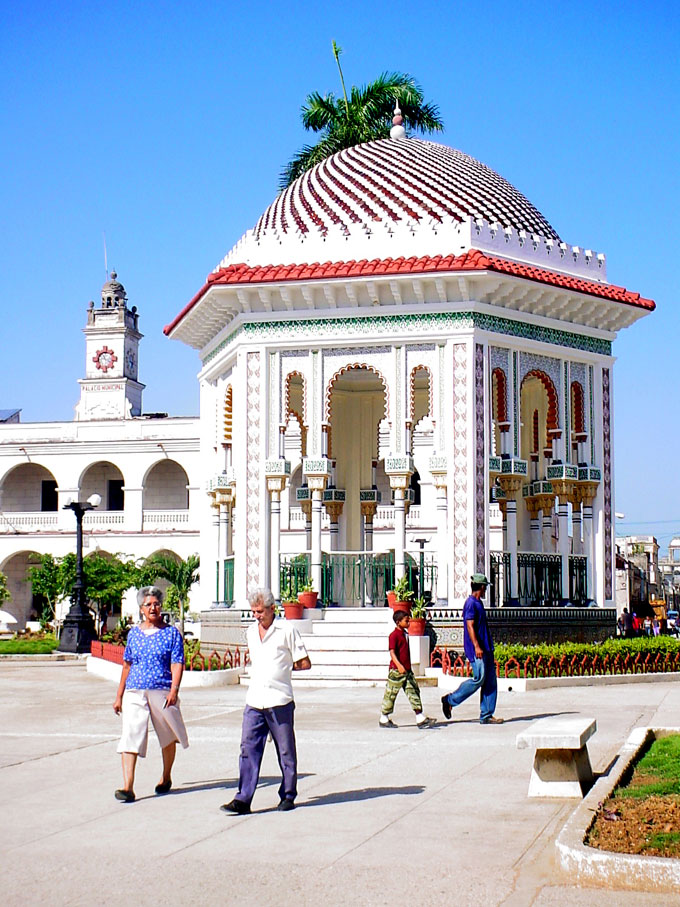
x=418 y=618
x=292 y=608
x=399 y=598
x=307 y=596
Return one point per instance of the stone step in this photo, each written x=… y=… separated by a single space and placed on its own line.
x=323 y=628
x=358 y=615
x=324 y=657
x=357 y=643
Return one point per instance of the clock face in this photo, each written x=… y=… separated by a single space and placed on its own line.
x=104 y=359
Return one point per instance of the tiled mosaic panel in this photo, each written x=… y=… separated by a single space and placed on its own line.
x=306 y=329
x=253 y=470
x=607 y=484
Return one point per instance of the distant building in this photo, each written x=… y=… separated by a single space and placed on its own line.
x=145 y=468
x=669 y=570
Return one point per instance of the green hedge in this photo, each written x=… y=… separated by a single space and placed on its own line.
x=644 y=645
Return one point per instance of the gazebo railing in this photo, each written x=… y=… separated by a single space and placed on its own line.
x=359 y=578
x=578 y=580
x=539 y=580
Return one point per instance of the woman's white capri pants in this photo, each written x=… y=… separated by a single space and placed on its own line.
x=138 y=707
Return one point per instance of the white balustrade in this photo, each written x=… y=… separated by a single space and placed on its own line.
x=29 y=522
x=103 y=518
x=165 y=518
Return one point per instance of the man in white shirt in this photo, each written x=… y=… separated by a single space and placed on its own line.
x=276 y=650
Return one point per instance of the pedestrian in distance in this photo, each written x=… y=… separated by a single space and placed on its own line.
x=401 y=677
x=276 y=650
x=153 y=663
x=478 y=646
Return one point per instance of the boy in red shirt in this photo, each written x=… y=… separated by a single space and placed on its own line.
x=401 y=676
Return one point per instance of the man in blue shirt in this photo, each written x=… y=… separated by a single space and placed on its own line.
x=478 y=647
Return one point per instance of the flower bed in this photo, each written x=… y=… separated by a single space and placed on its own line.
x=658 y=655
x=235 y=657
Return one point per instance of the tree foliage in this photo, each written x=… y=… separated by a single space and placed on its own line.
x=182 y=574
x=363 y=116
x=5 y=594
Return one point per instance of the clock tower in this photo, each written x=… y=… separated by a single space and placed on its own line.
x=110 y=389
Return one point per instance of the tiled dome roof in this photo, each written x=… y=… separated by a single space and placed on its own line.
x=392 y=181
x=397 y=193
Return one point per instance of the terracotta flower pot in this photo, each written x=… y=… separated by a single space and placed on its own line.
x=417 y=626
x=391 y=599
x=308 y=599
x=293 y=610
x=401 y=606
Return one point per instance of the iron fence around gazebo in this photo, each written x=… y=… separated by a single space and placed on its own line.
x=359 y=578
x=539 y=580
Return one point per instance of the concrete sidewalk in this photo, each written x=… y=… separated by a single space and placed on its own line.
x=408 y=816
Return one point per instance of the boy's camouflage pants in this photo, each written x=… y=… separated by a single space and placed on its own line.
x=407 y=683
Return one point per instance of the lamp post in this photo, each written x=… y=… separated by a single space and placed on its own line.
x=78 y=630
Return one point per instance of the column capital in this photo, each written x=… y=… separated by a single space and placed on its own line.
x=510 y=484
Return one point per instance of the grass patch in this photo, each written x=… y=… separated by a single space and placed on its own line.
x=643 y=817
x=657 y=773
x=41 y=646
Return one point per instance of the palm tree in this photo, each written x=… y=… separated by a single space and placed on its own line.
x=362 y=117
x=181 y=573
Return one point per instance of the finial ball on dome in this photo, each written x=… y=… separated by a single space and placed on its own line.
x=397 y=131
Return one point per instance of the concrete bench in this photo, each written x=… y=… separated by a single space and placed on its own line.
x=561 y=763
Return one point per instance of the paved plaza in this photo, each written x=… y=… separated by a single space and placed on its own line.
x=408 y=816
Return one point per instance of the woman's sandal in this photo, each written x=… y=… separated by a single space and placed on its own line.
x=163 y=787
x=125 y=796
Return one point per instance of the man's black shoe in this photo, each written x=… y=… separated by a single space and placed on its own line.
x=446 y=707
x=236 y=806
x=285 y=805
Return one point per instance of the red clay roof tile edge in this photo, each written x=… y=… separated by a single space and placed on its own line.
x=473 y=260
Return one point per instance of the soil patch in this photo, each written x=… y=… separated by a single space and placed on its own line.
x=643 y=816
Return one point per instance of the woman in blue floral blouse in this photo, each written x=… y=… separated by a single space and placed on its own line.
x=149 y=688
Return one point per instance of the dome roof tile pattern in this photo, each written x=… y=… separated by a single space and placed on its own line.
x=390 y=182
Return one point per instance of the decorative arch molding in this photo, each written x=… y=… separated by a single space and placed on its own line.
x=348 y=368
x=578 y=418
x=228 y=415
x=553 y=417
x=499 y=383
x=535 y=440
x=412 y=391
x=290 y=410
x=532 y=362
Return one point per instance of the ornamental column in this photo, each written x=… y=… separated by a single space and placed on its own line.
x=589 y=478
x=399 y=469
x=276 y=473
x=534 y=523
x=514 y=472
x=369 y=499
x=318 y=473
x=304 y=497
x=562 y=477
x=334 y=501
x=219 y=580
x=439 y=469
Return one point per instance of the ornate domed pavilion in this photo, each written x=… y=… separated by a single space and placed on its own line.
x=407 y=370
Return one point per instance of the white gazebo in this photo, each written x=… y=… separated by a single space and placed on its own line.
x=405 y=369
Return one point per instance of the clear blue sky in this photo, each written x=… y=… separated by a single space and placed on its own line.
x=166 y=124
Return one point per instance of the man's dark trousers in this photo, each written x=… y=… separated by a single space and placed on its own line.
x=257 y=723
